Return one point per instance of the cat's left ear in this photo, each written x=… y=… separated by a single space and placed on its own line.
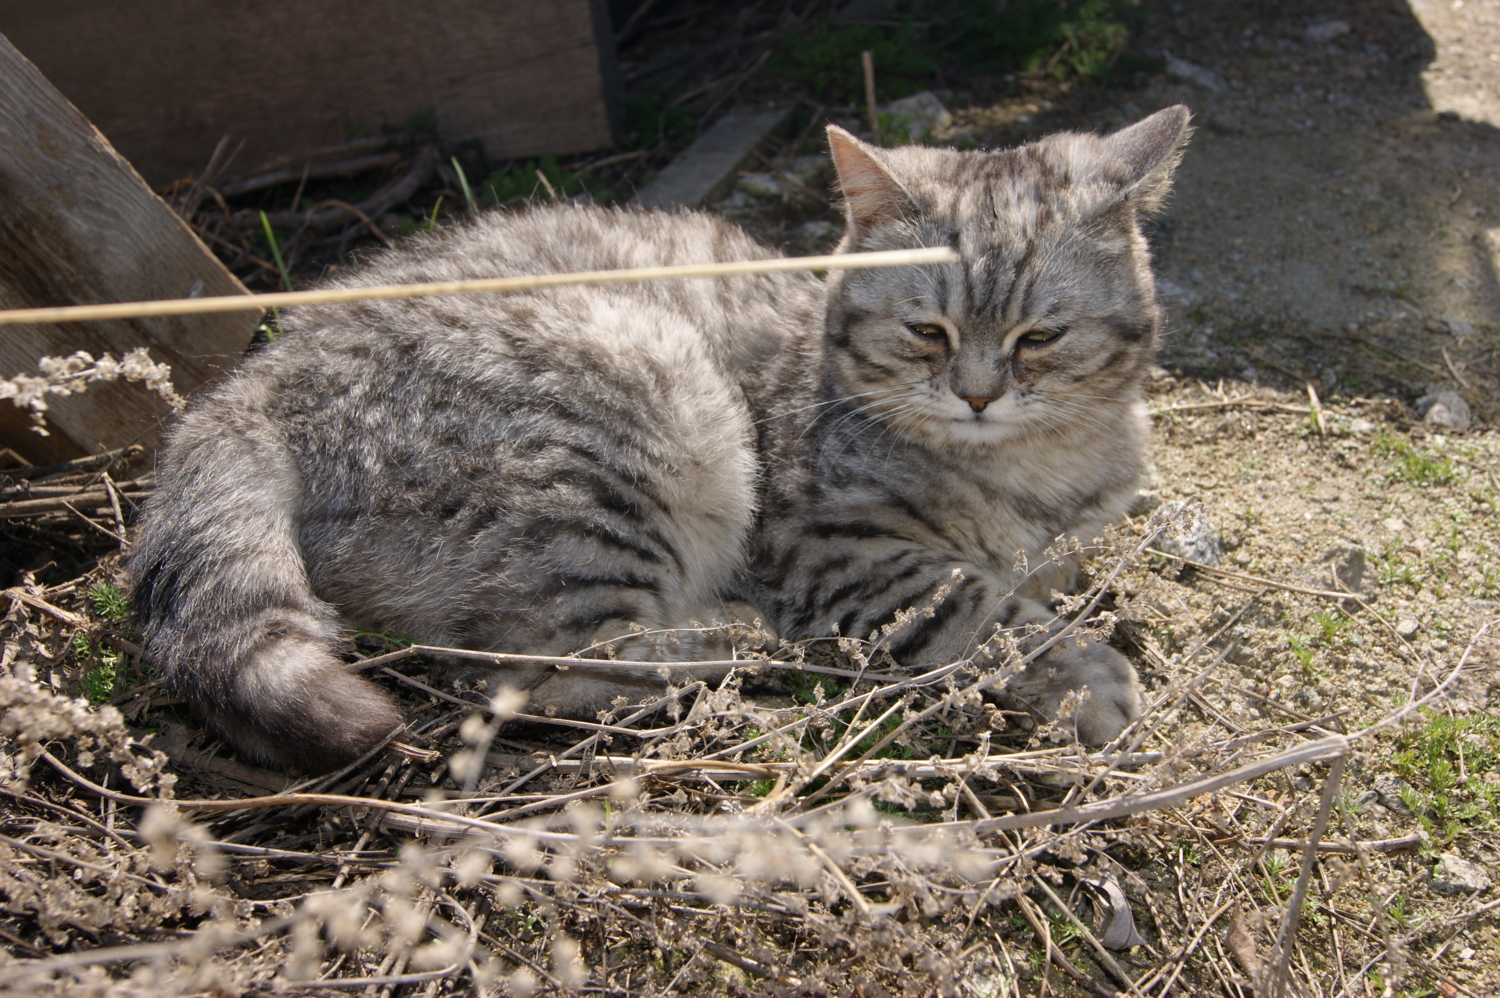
x=1145 y=154
x=871 y=194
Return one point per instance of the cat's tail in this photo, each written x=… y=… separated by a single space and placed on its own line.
x=222 y=594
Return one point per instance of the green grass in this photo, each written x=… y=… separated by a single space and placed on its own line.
x=101 y=676
x=1331 y=623
x=108 y=601
x=1412 y=465
x=1446 y=760
x=522 y=182
x=928 y=40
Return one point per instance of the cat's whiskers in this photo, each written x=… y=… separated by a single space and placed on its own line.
x=826 y=402
x=867 y=411
x=1078 y=413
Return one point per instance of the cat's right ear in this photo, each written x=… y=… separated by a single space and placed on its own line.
x=871 y=194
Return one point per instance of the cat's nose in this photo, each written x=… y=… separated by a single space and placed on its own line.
x=978 y=404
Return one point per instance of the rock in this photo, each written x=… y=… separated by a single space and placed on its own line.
x=1456 y=875
x=1389 y=789
x=1191 y=536
x=812 y=171
x=1325 y=31
x=1182 y=71
x=816 y=231
x=1340 y=566
x=1361 y=802
x=1452 y=325
x=1226 y=122
x=1361 y=426
x=920 y=114
x=1445 y=408
x=1407 y=626
x=759 y=185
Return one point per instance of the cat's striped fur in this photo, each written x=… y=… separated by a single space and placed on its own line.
x=536 y=472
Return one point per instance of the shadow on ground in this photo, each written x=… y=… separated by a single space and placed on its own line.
x=1337 y=216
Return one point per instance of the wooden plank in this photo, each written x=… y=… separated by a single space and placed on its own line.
x=165 y=80
x=706 y=170
x=78 y=225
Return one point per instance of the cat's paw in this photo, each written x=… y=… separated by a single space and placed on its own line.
x=1114 y=691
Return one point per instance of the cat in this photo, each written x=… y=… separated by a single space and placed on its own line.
x=538 y=472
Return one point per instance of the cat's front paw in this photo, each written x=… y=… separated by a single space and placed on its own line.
x=1114 y=691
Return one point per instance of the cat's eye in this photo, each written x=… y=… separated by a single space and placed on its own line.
x=929 y=332
x=1038 y=337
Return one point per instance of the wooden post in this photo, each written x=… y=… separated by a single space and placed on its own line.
x=78 y=226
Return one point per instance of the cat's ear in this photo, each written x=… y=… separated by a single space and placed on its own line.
x=1145 y=154
x=871 y=194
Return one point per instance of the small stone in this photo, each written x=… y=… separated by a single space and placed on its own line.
x=759 y=185
x=1325 y=31
x=1389 y=789
x=1455 y=326
x=920 y=114
x=816 y=231
x=1363 y=801
x=1361 y=425
x=1182 y=71
x=1158 y=373
x=1196 y=540
x=1445 y=408
x=1226 y=122
x=811 y=171
x=1407 y=627
x=1340 y=566
x=1456 y=875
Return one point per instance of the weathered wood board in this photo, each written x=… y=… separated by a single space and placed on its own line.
x=79 y=226
x=707 y=169
x=165 y=80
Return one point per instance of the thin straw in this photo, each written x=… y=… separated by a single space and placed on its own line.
x=285 y=299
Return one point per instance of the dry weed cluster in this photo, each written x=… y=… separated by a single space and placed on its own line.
x=820 y=824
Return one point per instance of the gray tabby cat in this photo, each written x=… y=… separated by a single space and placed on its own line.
x=536 y=472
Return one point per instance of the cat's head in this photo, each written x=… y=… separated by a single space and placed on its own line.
x=1047 y=326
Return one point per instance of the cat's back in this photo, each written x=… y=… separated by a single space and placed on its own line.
x=742 y=322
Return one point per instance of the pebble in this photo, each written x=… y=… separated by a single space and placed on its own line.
x=1407 y=627
x=1362 y=801
x=1389 y=789
x=923 y=115
x=1325 y=31
x=1182 y=71
x=1456 y=875
x=1342 y=559
x=1361 y=425
x=1453 y=326
x=759 y=185
x=1445 y=408
x=811 y=171
x=816 y=231
x=1196 y=540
